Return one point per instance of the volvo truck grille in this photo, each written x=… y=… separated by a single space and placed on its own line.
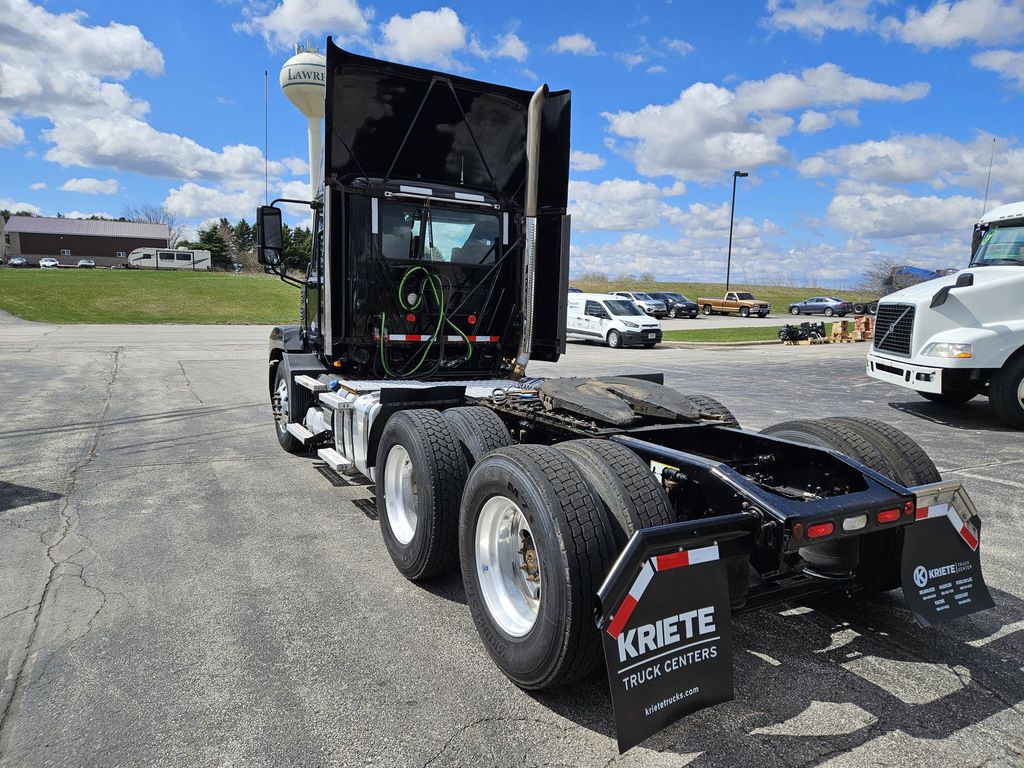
x=894 y=328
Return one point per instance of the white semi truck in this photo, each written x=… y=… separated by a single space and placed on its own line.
x=960 y=336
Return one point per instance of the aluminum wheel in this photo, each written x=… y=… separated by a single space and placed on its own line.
x=281 y=411
x=400 y=494
x=508 y=566
x=1020 y=393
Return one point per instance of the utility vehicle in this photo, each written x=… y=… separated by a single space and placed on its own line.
x=439 y=270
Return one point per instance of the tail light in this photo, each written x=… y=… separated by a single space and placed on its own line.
x=820 y=530
x=909 y=508
x=888 y=516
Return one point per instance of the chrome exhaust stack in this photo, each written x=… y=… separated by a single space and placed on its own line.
x=533 y=126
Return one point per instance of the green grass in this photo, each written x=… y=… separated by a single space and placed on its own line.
x=778 y=296
x=135 y=296
x=762 y=333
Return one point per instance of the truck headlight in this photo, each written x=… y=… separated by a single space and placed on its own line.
x=945 y=349
x=629 y=324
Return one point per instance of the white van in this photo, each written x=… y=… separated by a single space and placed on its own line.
x=612 y=319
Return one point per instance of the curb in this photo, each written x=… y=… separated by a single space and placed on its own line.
x=695 y=344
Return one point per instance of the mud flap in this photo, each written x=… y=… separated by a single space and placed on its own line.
x=667 y=630
x=941 y=567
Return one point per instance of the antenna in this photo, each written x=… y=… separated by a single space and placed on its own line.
x=266 y=142
x=984 y=206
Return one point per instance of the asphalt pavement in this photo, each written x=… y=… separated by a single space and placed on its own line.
x=176 y=590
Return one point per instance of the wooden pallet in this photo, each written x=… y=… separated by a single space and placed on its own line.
x=804 y=342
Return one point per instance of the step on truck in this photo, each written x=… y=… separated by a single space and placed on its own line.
x=604 y=520
x=959 y=336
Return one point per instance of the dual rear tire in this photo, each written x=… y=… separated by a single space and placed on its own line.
x=875 y=557
x=536 y=528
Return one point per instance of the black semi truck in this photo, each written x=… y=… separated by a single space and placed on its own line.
x=439 y=270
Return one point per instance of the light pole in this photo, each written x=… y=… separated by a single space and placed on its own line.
x=732 y=210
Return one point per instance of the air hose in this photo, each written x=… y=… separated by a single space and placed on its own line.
x=432 y=283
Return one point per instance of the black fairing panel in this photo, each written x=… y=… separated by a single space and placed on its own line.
x=391 y=121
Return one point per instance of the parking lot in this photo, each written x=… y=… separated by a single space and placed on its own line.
x=179 y=591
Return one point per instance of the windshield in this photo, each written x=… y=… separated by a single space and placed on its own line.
x=1000 y=245
x=744 y=296
x=642 y=297
x=409 y=231
x=623 y=308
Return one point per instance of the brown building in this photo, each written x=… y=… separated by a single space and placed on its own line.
x=68 y=240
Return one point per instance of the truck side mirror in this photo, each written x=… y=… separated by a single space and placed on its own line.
x=269 y=240
x=963 y=280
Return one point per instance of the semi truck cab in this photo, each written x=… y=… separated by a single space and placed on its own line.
x=960 y=336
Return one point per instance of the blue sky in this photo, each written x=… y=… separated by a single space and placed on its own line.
x=866 y=126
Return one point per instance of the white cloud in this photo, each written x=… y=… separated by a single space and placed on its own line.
x=943 y=24
x=816 y=17
x=631 y=60
x=58 y=68
x=826 y=84
x=678 y=46
x=620 y=205
x=919 y=158
x=8 y=204
x=874 y=210
x=426 y=37
x=10 y=134
x=952 y=23
x=133 y=144
x=578 y=44
x=38 y=185
x=507 y=46
x=585 y=161
x=234 y=200
x=90 y=186
x=292 y=20
x=813 y=122
x=87 y=214
x=657 y=69
x=296 y=166
x=710 y=129
x=1007 y=64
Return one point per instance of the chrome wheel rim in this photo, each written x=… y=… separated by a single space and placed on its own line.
x=508 y=566
x=1020 y=393
x=281 y=394
x=400 y=494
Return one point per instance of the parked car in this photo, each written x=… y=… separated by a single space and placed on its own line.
x=18 y=261
x=645 y=302
x=86 y=263
x=574 y=290
x=825 y=305
x=678 y=305
x=611 y=318
x=742 y=303
x=48 y=262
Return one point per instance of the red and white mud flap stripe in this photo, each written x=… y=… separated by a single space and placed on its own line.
x=427 y=337
x=949 y=512
x=660 y=563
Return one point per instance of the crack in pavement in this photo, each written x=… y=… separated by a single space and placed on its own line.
x=488 y=719
x=188 y=381
x=67 y=522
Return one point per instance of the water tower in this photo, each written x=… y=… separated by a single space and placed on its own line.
x=304 y=82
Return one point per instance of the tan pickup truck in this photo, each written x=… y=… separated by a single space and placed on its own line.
x=735 y=301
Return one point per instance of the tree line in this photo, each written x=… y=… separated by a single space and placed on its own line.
x=230 y=244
